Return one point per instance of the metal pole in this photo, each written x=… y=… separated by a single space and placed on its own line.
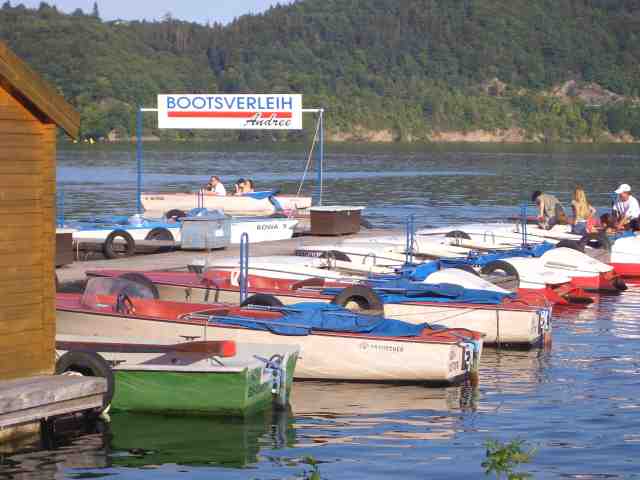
x=321 y=154
x=244 y=266
x=317 y=192
x=139 y=159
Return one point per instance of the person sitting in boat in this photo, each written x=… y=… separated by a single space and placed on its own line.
x=607 y=223
x=583 y=212
x=238 y=187
x=626 y=209
x=249 y=186
x=550 y=210
x=216 y=186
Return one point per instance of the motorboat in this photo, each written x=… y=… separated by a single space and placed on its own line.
x=335 y=343
x=201 y=377
x=502 y=317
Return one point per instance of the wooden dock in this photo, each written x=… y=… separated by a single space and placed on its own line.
x=30 y=401
x=71 y=276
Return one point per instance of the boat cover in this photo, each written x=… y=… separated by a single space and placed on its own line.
x=420 y=272
x=260 y=195
x=308 y=317
x=401 y=289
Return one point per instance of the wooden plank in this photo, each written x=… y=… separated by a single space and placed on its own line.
x=25 y=363
x=30 y=220
x=18 y=314
x=18 y=194
x=26 y=179
x=31 y=286
x=27 y=298
x=31 y=86
x=18 y=127
x=21 y=324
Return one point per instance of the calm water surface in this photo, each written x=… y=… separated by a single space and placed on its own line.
x=577 y=403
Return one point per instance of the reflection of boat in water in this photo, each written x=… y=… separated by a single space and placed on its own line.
x=338 y=399
x=139 y=440
x=511 y=371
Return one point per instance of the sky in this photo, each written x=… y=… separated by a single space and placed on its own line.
x=203 y=11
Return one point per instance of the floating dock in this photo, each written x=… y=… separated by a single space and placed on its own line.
x=72 y=275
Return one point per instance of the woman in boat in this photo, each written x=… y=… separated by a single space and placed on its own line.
x=238 y=187
x=249 y=186
x=582 y=212
x=550 y=210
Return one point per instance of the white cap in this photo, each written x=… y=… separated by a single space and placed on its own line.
x=623 y=188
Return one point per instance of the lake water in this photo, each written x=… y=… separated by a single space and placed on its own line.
x=576 y=403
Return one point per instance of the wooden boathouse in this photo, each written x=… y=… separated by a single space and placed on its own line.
x=30 y=112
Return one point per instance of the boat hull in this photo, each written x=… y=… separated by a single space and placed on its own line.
x=519 y=328
x=157 y=204
x=322 y=356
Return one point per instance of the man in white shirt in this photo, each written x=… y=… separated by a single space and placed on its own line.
x=216 y=186
x=626 y=208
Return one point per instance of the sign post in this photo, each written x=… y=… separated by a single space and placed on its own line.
x=227 y=112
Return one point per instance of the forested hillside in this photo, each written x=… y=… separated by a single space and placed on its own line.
x=544 y=70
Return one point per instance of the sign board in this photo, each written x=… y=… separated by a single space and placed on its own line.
x=230 y=111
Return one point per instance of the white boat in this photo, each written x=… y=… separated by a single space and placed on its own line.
x=525 y=321
x=160 y=203
x=434 y=355
x=259 y=229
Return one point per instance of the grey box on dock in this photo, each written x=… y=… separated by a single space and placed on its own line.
x=206 y=232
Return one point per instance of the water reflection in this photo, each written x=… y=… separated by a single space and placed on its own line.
x=142 y=440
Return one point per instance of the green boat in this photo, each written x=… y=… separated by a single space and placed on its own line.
x=213 y=378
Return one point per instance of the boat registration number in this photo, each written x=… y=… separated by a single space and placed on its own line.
x=544 y=320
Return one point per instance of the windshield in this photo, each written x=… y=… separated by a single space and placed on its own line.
x=101 y=292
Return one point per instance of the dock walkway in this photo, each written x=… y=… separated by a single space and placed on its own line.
x=74 y=273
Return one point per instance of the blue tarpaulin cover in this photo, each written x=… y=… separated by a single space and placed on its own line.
x=260 y=195
x=401 y=289
x=305 y=318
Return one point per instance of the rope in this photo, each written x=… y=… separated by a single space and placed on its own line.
x=306 y=168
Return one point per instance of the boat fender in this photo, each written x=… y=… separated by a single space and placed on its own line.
x=364 y=297
x=619 y=284
x=262 y=300
x=129 y=247
x=596 y=240
x=175 y=214
x=501 y=266
x=159 y=233
x=142 y=281
x=572 y=244
x=89 y=364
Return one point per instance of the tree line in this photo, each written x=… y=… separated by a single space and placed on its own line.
x=413 y=67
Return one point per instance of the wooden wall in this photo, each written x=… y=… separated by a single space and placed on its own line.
x=27 y=241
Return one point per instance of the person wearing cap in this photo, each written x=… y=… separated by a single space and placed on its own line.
x=550 y=210
x=626 y=209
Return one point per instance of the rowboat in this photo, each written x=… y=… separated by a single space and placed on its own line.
x=205 y=377
x=335 y=343
x=503 y=320
x=157 y=204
